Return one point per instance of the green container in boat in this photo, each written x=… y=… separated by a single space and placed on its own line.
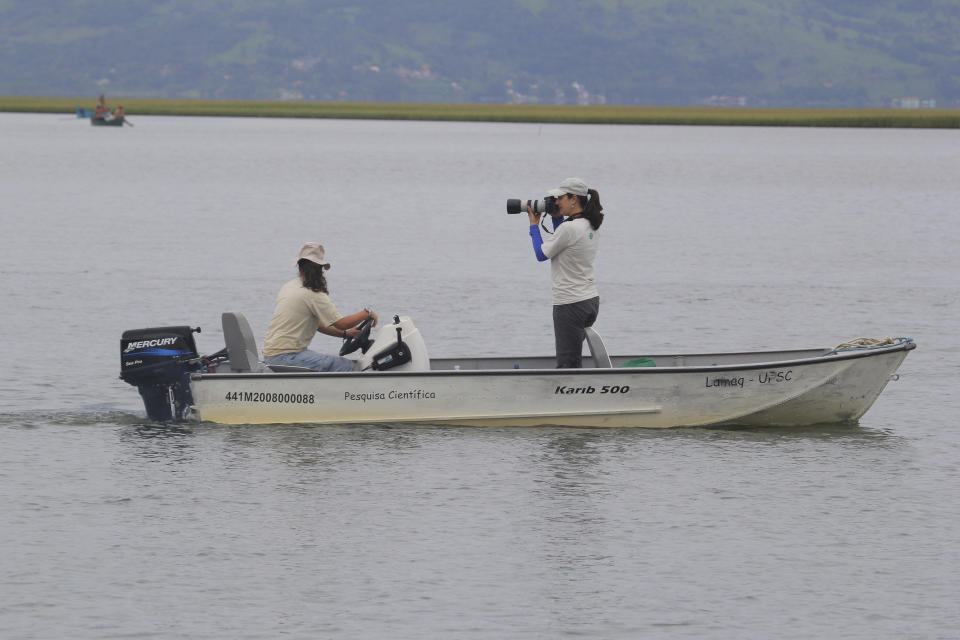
x=639 y=362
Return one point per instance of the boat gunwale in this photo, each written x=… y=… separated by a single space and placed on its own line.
x=906 y=345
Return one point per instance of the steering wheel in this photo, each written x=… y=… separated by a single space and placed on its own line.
x=362 y=341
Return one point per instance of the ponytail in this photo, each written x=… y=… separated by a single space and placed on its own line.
x=591 y=206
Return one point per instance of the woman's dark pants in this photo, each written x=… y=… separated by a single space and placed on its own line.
x=569 y=323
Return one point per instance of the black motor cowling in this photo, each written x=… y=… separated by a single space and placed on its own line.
x=158 y=361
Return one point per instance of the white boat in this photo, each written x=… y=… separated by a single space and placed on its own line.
x=397 y=382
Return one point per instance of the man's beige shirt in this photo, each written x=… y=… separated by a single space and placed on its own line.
x=299 y=313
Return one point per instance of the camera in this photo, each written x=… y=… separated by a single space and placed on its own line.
x=547 y=205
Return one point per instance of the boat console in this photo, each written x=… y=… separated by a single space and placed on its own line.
x=397 y=347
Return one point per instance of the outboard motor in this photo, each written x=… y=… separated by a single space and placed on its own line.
x=158 y=361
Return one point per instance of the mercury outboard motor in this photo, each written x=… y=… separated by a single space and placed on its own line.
x=158 y=361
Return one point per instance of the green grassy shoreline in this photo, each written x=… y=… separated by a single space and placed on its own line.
x=715 y=116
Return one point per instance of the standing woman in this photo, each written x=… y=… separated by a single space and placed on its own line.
x=303 y=309
x=572 y=251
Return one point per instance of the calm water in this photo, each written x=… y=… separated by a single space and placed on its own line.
x=715 y=239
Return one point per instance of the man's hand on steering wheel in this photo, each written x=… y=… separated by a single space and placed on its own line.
x=359 y=336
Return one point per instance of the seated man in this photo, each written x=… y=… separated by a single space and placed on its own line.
x=304 y=308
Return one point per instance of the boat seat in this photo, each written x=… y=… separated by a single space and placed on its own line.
x=241 y=345
x=599 y=352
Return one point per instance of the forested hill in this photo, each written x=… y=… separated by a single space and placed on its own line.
x=655 y=52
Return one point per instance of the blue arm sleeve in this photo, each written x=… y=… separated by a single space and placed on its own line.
x=537 y=243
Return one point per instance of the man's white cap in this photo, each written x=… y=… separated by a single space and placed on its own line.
x=576 y=186
x=313 y=251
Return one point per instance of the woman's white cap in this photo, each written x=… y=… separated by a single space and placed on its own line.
x=313 y=251
x=576 y=186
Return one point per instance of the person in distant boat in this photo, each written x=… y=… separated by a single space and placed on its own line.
x=572 y=250
x=118 y=112
x=101 y=111
x=303 y=309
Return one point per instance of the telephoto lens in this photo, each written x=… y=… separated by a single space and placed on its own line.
x=547 y=205
x=514 y=205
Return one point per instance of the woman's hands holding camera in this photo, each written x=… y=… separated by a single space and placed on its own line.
x=534 y=217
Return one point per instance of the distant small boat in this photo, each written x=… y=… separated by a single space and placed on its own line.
x=107 y=122
x=107 y=119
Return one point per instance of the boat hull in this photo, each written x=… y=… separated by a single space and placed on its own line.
x=112 y=122
x=741 y=389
